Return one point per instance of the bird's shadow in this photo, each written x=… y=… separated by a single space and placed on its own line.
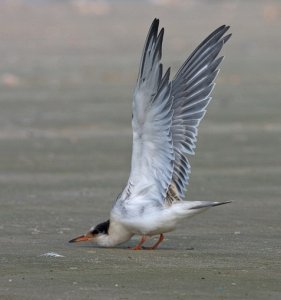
x=128 y=247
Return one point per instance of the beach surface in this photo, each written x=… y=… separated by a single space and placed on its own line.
x=67 y=75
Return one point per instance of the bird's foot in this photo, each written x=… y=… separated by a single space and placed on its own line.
x=161 y=238
x=143 y=239
x=137 y=247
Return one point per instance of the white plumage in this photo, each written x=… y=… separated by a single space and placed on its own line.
x=166 y=115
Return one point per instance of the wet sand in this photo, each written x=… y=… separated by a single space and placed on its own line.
x=67 y=75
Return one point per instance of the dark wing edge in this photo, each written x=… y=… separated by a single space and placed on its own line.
x=191 y=89
x=152 y=155
x=151 y=70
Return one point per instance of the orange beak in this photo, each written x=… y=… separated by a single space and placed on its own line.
x=82 y=238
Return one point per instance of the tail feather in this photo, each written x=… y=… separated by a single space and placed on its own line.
x=206 y=204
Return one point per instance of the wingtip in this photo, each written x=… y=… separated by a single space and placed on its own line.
x=161 y=33
x=226 y=38
x=155 y=22
x=153 y=28
x=225 y=27
x=222 y=29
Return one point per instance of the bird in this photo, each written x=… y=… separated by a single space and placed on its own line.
x=165 y=117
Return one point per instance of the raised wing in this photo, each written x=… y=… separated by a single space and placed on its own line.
x=166 y=116
x=153 y=155
x=191 y=89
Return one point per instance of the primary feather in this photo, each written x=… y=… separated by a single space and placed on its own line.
x=166 y=115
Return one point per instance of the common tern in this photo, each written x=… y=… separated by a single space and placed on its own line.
x=166 y=115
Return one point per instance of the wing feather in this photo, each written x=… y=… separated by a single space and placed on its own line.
x=191 y=89
x=153 y=156
x=166 y=115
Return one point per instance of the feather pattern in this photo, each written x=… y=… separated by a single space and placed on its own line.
x=191 y=89
x=166 y=115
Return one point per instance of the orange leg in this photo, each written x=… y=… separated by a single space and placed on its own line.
x=161 y=238
x=139 y=245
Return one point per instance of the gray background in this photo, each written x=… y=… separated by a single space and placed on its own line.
x=67 y=74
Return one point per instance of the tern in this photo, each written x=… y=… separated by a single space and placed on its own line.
x=166 y=115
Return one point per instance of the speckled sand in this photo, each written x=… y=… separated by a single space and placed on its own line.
x=66 y=81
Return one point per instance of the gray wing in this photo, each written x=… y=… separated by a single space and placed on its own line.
x=191 y=90
x=166 y=116
x=152 y=154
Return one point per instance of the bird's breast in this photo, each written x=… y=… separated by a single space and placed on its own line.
x=151 y=221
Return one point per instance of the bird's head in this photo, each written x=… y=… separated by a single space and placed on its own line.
x=95 y=234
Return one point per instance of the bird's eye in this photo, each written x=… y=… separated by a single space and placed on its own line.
x=94 y=232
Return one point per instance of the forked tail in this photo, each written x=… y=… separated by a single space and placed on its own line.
x=184 y=209
x=206 y=204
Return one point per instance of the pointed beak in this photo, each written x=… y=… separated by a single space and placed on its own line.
x=81 y=238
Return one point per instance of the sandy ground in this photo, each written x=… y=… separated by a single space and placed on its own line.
x=67 y=74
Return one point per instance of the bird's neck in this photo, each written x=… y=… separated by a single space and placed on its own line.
x=117 y=234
